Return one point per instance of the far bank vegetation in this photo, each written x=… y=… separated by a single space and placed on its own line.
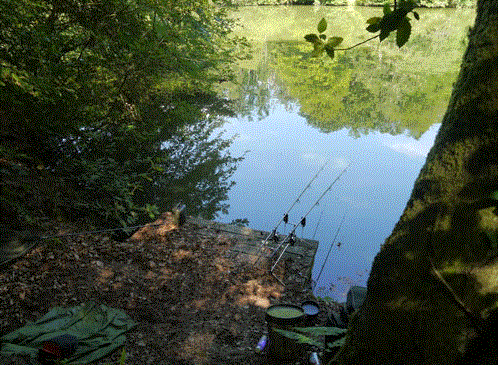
x=420 y=3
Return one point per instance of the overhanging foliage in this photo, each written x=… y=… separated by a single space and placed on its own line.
x=89 y=91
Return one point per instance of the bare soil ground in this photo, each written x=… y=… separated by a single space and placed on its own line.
x=193 y=304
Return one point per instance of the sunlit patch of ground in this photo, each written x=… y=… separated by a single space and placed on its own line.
x=194 y=303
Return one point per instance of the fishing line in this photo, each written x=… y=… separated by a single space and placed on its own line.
x=99 y=231
x=30 y=242
x=273 y=234
x=318 y=223
x=329 y=252
x=285 y=217
x=287 y=240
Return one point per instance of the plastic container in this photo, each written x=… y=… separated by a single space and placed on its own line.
x=261 y=345
x=311 y=310
x=284 y=317
x=314 y=360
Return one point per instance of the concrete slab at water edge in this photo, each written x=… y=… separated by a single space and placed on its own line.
x=247 y=245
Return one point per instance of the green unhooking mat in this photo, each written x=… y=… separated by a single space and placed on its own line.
x=99 y=329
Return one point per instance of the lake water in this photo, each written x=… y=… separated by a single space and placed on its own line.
x=375 y=107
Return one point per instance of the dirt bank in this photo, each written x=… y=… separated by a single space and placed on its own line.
x=193 y=303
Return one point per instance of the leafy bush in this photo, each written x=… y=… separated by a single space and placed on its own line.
x=89 y=94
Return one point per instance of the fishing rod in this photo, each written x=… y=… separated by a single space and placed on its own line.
x=291 y=236
x=285 y=217
x=318 y=223
x=329 y=252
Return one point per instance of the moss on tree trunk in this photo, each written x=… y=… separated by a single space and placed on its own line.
x=433 y=286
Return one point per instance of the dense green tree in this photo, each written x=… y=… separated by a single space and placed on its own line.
x=90 y=90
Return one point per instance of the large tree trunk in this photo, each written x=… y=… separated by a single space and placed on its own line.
x=432 y=291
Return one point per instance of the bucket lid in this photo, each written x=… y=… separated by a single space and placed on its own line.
x=284 y=313
x=310 y=308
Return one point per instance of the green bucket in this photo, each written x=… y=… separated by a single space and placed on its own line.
x=284 y=317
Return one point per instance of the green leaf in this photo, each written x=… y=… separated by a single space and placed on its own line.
x=312 y=38
x=145 y=175
x=383 y=35
x=392 y=21
x=322 y=25
x=407 y=5
x=123 y=357
x=403 y=32
x=321 y=331
x=416 y=15
x=374 y=20
x=334 y=41
x=299 y=338
x=329 y=50
x=337 y=343
x=373 y=28
x=386 y=8
x=323 y=36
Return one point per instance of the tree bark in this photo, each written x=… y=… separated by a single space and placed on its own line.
x=432 y=291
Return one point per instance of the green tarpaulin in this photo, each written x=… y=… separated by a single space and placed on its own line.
x=99 y=329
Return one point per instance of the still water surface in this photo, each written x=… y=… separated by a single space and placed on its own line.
x=376 y=107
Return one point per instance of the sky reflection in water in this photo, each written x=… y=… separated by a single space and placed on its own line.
x=284 y=153
x=378 y=85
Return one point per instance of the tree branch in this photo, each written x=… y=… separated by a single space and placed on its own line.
x=356 y=45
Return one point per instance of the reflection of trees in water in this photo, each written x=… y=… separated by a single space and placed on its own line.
x=360 y=91
x=252 y=97
x=191 y=164
x=254 y=88
x=197 y=171
x=121 y=174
